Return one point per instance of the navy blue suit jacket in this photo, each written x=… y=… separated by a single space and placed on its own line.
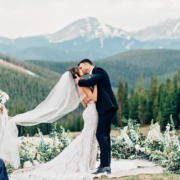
x=3 y=171
x=105 y=99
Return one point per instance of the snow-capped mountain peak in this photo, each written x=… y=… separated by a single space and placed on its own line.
x=169 y=29
x=89 y=28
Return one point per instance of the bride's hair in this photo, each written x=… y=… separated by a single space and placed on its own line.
x=74 y=70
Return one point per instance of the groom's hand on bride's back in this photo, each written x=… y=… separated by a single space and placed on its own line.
x=77 y=79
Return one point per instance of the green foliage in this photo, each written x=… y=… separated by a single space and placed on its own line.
x=129 y=65
x=158 y=102
x=36 y=149
x=9 y=168
x=42 y=72
x=26 y=92
x=120 y=150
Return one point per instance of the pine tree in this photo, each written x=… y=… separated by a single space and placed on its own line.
x=174 y=100
x=120 y=99
x=157 y=105
x=125 y=105
x=178 y=97
x=142 y=108
x=152 y=93
x=133 y=105
x=166 y=111
x=20 y=108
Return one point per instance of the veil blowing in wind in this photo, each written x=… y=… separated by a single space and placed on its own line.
x=63 y=98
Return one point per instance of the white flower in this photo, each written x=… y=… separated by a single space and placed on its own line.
x=137 y=147
x=3 y=100
x=3 y=93
x=37 y=141
x=142 y=149
x=120 y=137
x=125 y=137
x=51 y=143
x=148 y=151
x=30 y=151
x=27 y=164
x=61 y=145
x=29 y=140
x=7 y=97
x=68 y=141
x=35 y=162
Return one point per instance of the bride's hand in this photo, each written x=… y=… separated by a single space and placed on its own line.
x=2 y=107
x=77 y=79
x=9 y=117
x=87 y=100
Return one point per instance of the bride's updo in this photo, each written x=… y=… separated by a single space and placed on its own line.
x=74 y=70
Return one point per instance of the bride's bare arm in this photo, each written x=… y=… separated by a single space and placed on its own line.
x=83 y=96
x=90 y=94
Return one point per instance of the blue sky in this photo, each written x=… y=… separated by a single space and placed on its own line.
x=20 y=18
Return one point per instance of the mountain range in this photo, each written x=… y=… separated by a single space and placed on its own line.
x=169 y=29
x=93 y=39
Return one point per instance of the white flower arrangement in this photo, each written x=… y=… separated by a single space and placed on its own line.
x=142 y=149
x=27 y=164
x=163 y=150
x=125 y=137
x=155 y=132
x=137 y=146
x=3 y=98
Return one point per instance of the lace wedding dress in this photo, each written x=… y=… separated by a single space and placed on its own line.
x=8 y=141
x=75 y=162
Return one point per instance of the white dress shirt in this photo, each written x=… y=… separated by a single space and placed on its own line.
x=91 y=71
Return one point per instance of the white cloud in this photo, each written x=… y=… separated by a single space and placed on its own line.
x=33 y=17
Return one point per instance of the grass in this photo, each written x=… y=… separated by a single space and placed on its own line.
x=163 y=176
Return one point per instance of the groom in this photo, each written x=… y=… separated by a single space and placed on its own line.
x=106 y=106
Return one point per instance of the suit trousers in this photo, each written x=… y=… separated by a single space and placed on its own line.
x=103 y=136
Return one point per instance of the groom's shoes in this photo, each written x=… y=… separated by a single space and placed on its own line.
x=102 y=171
x=98 y=167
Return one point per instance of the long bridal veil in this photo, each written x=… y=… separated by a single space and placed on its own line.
x=63 y=98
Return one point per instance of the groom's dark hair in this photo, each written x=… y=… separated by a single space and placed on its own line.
x=85 y=61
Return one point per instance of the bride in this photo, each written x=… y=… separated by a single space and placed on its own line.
x=79 y=158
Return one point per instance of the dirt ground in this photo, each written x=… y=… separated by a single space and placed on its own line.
x=163 y=176
x=115 y=133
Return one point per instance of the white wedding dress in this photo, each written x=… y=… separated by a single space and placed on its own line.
x=8 y=141
x=75 y=162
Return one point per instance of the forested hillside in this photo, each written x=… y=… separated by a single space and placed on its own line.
x=42 y=72
x=27 y=90
x=158 y=102
x=130 y=65
x=152 y=96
